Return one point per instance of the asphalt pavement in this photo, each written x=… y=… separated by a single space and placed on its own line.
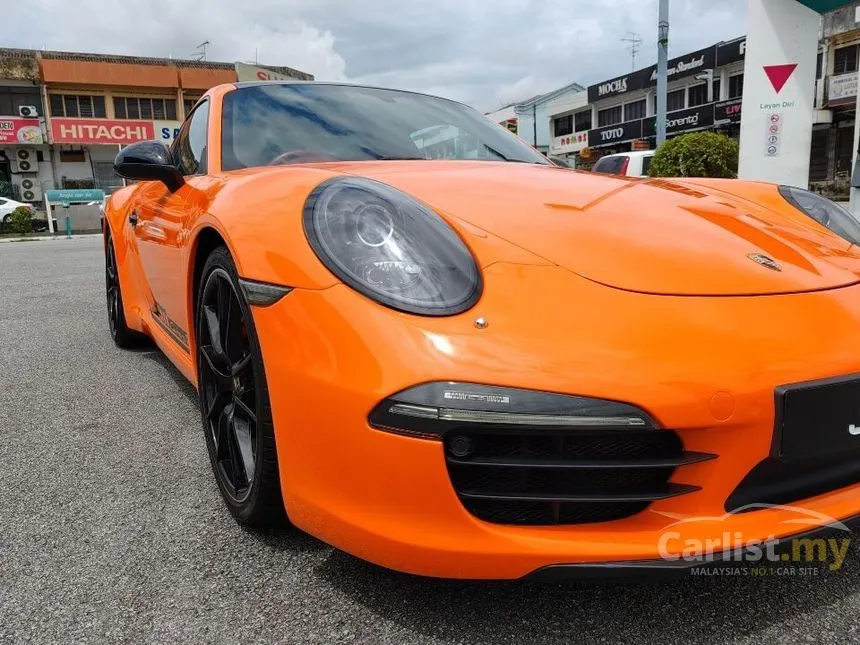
x=112 y=529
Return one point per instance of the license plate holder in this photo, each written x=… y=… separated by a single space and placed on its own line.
x=817 y=418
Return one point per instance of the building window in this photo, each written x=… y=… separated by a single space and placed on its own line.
x=697 y=95
x=610 y=116
x=78 y=106
x=189 y=104
x=736 y=86
x=104 y=176
x=716 y=89
x=73 y=155
x=582 y=121
x=130 y=107
x=635 y=110
x=676 y=100
x=819 y=64
x=11 y=98
x=562 y=125
x=845 y=60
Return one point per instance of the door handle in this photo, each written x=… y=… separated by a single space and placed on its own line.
x=132 y=219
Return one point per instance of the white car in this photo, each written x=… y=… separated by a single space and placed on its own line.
x=626 y=164
x=8 y=205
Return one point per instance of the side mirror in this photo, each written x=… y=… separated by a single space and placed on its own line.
x=149 y=160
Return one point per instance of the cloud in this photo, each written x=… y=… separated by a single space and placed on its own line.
x=483 y=53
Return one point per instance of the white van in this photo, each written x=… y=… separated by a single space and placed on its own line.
x=627 y=164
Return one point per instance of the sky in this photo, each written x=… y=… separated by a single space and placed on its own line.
x=483 y=52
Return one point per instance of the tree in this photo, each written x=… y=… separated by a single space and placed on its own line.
x=698 y=154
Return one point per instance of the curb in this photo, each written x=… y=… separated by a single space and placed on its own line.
x=48 y=238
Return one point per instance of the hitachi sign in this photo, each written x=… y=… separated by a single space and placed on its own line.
x=612 y=87
x=100 y=131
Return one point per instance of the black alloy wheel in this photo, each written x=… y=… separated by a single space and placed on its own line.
x=234 y=399
x=119 y=331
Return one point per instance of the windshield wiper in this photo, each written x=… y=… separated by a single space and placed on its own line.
x=396 y=158
x=504 y=157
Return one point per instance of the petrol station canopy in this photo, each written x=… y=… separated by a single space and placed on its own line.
x=823 y=6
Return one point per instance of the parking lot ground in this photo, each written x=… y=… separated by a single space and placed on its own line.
x=112 y=530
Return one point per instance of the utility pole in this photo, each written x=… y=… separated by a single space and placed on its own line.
x=662 y=69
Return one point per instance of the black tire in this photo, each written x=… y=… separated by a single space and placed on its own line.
x=234 y=398
x=123 y=336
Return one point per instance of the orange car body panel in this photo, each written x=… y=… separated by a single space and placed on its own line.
x=639 y=291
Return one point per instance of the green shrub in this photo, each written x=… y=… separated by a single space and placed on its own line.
x=21 y=220
x=698 y=154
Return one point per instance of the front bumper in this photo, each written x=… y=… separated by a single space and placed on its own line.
x=704 y=367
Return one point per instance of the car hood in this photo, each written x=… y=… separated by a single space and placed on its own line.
x=649 y=236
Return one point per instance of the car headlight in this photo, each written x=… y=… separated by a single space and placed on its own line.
x=827 y=213
x=390 y=247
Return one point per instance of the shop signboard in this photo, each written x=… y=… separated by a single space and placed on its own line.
x=17 y=131
x=100 y=131
x=614 y=134
x=680 y=67
x=842 y=88
x=166 y=131
x=696 y=118
x=728 y=111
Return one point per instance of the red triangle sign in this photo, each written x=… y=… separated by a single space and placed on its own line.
x=779 y=74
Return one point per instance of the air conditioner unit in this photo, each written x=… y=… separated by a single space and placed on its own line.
x=24 y=160
x=28 y=111
x=31 y=190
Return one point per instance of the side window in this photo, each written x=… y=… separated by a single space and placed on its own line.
x=646 y=164
x=189 y=150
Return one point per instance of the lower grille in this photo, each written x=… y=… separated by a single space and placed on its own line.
x=537 y=476
x=774 y=481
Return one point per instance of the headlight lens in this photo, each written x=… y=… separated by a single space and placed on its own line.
x=824 y=211
x=390 y=247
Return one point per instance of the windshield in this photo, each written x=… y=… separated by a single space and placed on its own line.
x=276 y=124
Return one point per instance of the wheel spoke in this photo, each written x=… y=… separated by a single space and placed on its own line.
x=244 y=443
x=243 y=409
x=220 y=400
x=213 y=327
x=111 y=263
x=241 y=365
x=224 y=307
x=222 y=435
x=214 y=361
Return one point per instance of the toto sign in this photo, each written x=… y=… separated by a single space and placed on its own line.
x=618 y=133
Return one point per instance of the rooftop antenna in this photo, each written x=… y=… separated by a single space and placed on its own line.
x=634 y=43
x=201 y=55
x=256 y=56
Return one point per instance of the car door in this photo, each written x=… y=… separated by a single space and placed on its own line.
x=160 y=223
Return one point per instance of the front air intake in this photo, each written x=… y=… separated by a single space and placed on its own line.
x=536 y=458
x=535 y=476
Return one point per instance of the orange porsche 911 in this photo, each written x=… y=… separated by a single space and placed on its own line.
x=416 y=339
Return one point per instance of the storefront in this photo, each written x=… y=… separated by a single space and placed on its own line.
x=84 y=149
x=23 y=152
x=704 y=93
